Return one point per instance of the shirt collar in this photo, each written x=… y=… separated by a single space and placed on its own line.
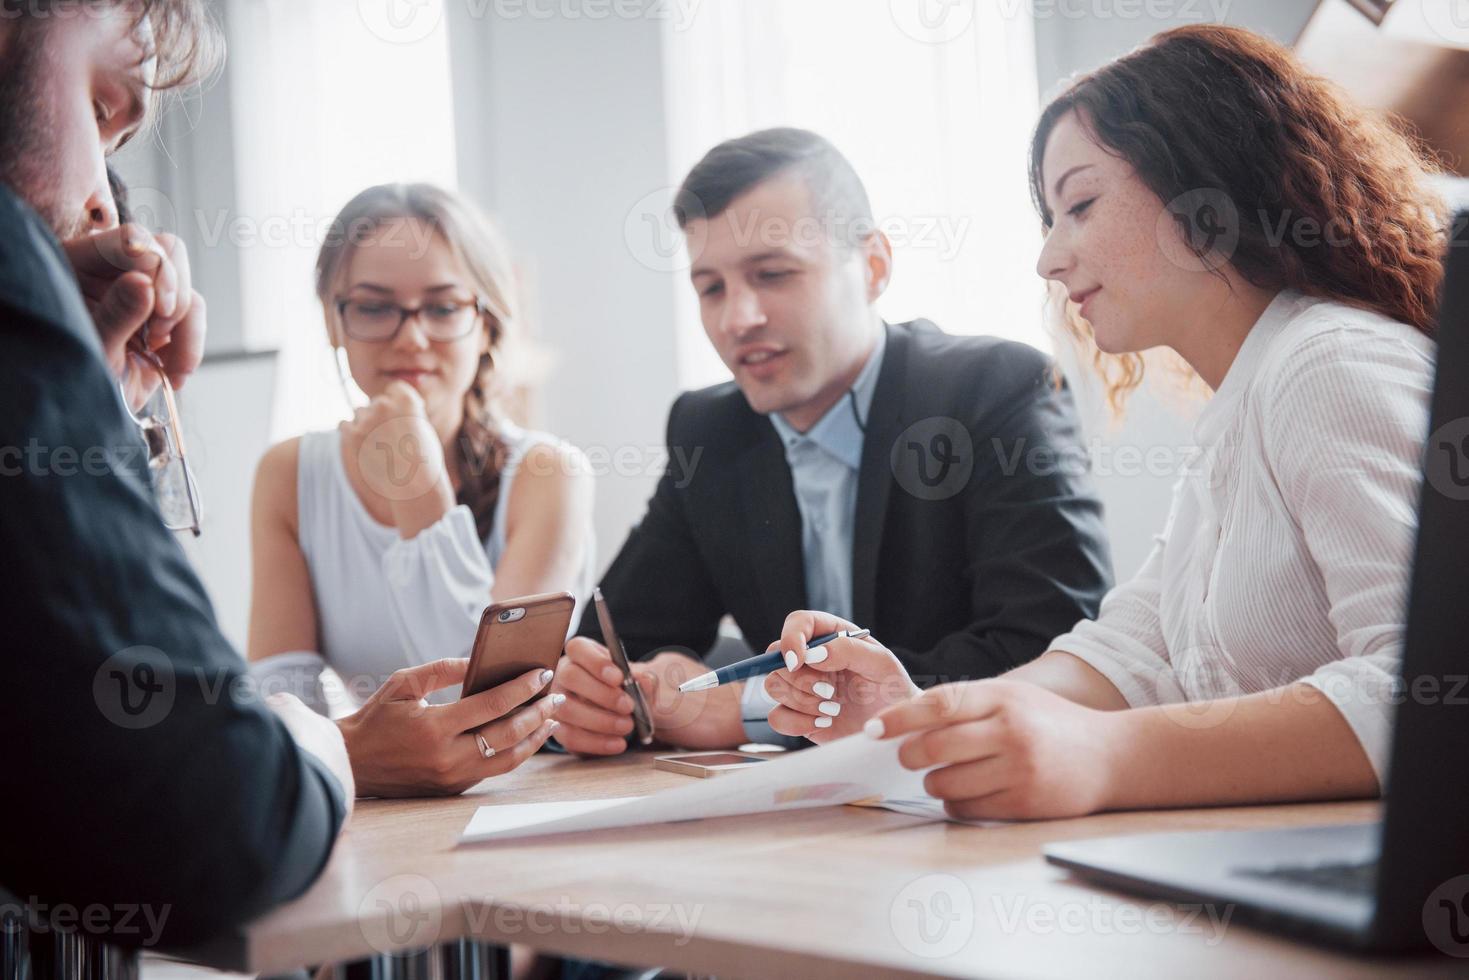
x=837 y=432
x=1214 y=419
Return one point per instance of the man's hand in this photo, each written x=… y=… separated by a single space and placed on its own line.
x=597 y=717
x=132 y=279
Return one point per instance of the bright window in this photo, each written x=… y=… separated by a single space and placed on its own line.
x=324 y=106
x=932 y=100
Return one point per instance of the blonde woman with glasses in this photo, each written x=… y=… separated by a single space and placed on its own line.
x=377 y=545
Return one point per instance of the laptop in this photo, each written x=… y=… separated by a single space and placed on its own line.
x=1401 y=884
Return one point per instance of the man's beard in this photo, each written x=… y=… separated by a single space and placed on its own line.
x=29 y=159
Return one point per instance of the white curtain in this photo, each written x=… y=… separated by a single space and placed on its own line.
x=932 y=100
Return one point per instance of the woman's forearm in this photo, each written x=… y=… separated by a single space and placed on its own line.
x=1072 y=678
x=1287 y=744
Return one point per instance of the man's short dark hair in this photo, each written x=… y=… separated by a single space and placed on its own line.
x=736 y=166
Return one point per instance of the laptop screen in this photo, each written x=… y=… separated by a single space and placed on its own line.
x=1426 y=826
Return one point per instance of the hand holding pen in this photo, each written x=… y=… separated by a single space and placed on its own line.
x=827 y=692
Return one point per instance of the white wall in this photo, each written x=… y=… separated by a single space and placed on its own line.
x=562 y=131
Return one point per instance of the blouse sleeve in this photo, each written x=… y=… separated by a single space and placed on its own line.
x=1125 y=642
x=297 y=672
x=1350 y=479
x=439 y=583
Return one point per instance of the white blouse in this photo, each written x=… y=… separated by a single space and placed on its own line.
x=383 y=602
x=1287 y=550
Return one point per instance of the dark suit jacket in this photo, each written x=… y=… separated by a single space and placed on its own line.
x=139 y=771
x=964 y=578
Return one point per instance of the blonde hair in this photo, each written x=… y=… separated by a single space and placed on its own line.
x=476 y=244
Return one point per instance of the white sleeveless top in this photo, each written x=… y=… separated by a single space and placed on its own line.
x=382 y=602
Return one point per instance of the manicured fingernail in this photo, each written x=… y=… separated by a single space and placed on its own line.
x=791 y=661
x=815 y=656
x=829 y=708
x=557 y=700
x=546 y=676
x=823 y=722
x=823 y=690
x=611 y=675
x=625 y=703
x=552 y=725
x=873 y=728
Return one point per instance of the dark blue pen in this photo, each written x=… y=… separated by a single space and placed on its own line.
x=757 y=666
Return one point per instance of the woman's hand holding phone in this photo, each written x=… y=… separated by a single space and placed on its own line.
x=401 y=746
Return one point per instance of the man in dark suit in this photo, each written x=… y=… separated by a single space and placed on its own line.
x=929 y=487
x=144 y=782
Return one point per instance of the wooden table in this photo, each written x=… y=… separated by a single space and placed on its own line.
x=833 y=892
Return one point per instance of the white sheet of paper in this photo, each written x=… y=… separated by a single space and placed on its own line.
x=855 y=768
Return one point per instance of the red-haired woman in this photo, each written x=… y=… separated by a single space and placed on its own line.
x=1206 y=194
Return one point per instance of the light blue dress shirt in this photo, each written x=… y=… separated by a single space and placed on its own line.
x=825 y=461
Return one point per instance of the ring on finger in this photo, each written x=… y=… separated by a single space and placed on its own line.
x=485 y=748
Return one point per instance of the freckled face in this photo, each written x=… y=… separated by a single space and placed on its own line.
x=1103 y=244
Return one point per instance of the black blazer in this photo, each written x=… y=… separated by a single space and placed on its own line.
x=962 y=579
x=140 y=769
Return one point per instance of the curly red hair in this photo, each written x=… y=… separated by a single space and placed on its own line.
x=1210 y=106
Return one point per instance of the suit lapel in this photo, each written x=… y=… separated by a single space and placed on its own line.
x=875 y=479
x=774 y=525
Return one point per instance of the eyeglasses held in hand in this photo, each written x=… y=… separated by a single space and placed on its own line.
x=145 y=384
